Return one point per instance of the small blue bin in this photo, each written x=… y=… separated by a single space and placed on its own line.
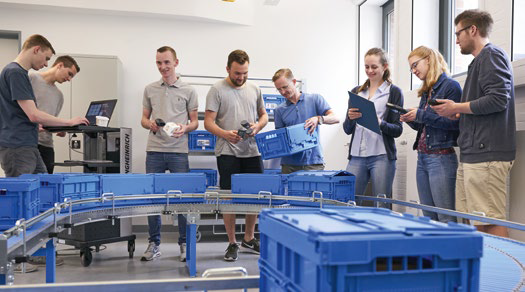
x=187 y=183
x=211 y=175
x=365 y=249
x=272 y=171
x=19 y=198
x=202 y=141
x=54 y=188
x=334 y=184
x=286 y=141
x=253 y=183
x=272 y=101
x=127 y=184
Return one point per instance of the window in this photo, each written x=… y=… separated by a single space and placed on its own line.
x=425 y=30
x=388 y=28
x=459 y=62
x=376 y=25
x=518 y=39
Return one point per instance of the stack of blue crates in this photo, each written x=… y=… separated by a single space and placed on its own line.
x=127 y=184
x=253 y=183
x=54 y=188
x=286 y=141
x=201 y=141
x=186 y=183
x=334 y=184
x=211 y=175
x=365 y=249
x=19 y=199
x=271 y=101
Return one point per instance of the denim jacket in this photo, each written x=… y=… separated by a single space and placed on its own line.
x=441 y=132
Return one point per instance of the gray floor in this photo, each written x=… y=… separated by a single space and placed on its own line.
x=114 y=264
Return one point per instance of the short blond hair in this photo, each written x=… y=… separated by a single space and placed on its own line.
x=284 y=72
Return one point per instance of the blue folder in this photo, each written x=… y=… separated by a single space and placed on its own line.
x=367 y=108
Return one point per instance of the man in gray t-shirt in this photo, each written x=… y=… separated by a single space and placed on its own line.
x=50 y=99
x=228 y=103
x=171 y=101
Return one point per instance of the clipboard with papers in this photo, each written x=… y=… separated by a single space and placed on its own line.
x=367 y=108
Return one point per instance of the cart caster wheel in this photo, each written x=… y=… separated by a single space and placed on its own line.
x=86 y=257
x=131 y=248
x=199 y=235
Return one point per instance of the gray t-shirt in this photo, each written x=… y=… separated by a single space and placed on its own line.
x=232 y=106
x=49 y=99
x=172 y=103
x=16 y=130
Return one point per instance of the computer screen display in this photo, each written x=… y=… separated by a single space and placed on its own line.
x=100 y=108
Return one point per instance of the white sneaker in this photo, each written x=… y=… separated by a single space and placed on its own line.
x=29 y=268
x=151 y=253
x=182 y=256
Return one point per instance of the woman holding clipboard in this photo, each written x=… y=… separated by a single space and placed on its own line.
x=437 y=162
x=372 y=157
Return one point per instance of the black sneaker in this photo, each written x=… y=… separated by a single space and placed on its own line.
x=231 y=252
x=252 y=245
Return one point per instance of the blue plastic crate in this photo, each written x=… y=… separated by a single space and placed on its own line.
x=334 y=184
x=19 y=198
x=201 y=141
x=286 y=141
x=272 y=101
x=253 y=183
x=127 y=184
x=272 y=171
x=211 y=175
x=186 y=183
x=192 y=183
x=365 y=249
x=54 y=188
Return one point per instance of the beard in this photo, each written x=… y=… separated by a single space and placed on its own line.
x=467 y=50
x=238 y=84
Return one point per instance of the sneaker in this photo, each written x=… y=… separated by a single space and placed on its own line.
x=41 y=261
x=151 y=253
x=29 y=268
x=182 y=256
x=231 y=252
x=252 y=245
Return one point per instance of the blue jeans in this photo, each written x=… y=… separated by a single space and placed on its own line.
x=159 y=162
x=379 y=170
x=436 y=183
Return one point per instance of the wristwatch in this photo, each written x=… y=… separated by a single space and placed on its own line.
x=321 y=120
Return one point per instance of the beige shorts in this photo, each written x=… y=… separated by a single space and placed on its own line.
x=482 y=187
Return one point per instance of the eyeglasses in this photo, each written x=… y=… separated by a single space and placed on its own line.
x=414 y=65
x=457 y=33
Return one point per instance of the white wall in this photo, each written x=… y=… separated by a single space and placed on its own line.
x=371 y=25
x=314 y=39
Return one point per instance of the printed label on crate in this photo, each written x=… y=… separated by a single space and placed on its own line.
x=271 y=136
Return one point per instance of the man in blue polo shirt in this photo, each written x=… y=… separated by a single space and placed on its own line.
x=311 y=109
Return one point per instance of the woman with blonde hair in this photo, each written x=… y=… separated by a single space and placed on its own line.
x=437 y=162
x=372 y=157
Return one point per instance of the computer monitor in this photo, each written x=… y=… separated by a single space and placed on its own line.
x=100 y=108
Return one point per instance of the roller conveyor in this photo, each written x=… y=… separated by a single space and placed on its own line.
x=502 y=264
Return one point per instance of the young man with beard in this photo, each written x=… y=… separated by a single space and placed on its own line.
x=487 y=124
x=228 y=103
